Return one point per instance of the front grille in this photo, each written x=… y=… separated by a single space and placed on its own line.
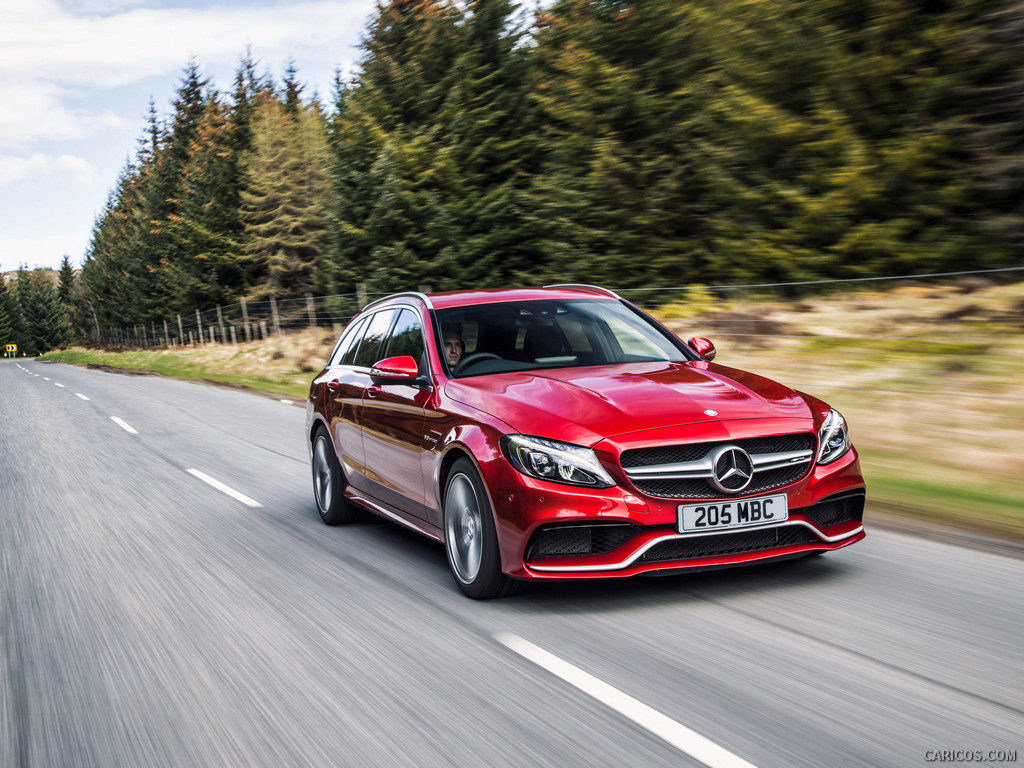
x=838 y=509
x=701 y=488
x=720 y=545
x=578 y=540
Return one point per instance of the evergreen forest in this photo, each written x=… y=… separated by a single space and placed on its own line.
x=628 y=143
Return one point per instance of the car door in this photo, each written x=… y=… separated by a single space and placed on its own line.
x=347 y=384
x=340 y=394
x=392 y=423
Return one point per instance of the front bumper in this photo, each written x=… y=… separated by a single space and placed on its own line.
x=555 y=532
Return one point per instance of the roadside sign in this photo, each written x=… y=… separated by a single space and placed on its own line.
x=12 y=347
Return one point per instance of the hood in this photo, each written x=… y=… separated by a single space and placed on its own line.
x=586 y=405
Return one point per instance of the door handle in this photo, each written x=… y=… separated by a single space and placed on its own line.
x=333 y=385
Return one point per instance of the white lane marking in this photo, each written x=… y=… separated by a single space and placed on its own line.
x=223 y=488
x=58 y=384
x=124 y=425
x=79 y=394
x=287 y=402
x=679 y=736
x=45 y=378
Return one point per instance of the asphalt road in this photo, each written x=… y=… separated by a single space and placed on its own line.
x=150 y=618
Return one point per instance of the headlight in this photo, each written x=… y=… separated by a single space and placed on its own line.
x=833 y=438
x=557 y=462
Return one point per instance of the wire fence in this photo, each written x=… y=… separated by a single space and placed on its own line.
x=259 y=320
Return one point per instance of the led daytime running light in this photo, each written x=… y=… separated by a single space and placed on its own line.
x=555 y=462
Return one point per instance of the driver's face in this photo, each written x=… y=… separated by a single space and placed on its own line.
x=452 y=349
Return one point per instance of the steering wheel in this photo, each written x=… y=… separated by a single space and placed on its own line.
x=476 y=357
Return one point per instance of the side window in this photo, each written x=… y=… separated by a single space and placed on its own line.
x=373 y=339
x=407 y=337
x=349 y=342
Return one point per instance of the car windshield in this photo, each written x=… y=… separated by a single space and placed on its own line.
x=529 y=335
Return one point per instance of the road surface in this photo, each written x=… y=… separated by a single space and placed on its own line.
x=169 y=597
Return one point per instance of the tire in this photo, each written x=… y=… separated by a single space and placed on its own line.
x=329 y=484
x=470 y=540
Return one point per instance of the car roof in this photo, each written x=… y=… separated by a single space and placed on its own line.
x=454 y=299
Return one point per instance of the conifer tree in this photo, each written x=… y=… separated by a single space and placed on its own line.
x=390 y=169
x=491 y=150
x=9 y=315
x=113 y=270
x=45 y=324
x=284 y=199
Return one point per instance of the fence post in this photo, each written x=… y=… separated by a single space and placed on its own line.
x=311 y=308
x=220 y=322
x=234 y=341
x=361 y=294
x=167 y=341
x=274 y=316
x=245 y=321
x=181 y=332
x=199 y=324
x=263 y=328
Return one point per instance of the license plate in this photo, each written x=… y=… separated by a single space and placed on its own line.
x=725 y=515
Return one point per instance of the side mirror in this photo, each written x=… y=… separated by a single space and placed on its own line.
x=395 y=370
x=702 y=347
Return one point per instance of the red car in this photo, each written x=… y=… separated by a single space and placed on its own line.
x=563 y=433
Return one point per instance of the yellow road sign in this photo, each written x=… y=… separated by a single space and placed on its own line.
x=12 y=347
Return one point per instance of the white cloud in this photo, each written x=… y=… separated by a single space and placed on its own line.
x=15 y=170
x=46 y=251
x=47 y=51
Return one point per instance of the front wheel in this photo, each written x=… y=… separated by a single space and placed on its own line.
x=329 y=483
x=469 y=536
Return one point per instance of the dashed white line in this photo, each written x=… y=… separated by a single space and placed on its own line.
x=224 y=488
x=45 y=378
x=124 y=425
x=79 y=394
x=679 y=736
x=58 y=384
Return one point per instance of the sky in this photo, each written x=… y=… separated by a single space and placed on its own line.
x=77 y=76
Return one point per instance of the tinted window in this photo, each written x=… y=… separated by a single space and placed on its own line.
x=407 y=337
x=370 y=348
x=346 y=351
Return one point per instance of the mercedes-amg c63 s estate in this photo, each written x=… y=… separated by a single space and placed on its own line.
x=563 y=433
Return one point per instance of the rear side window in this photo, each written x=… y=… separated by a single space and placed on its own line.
x=407 y=337
x=370 y=349
x=349 y=343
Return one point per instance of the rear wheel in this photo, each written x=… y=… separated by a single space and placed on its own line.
x=329 y=483
x=470 y=538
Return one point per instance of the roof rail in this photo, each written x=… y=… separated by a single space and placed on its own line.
x=415 y=294
x=595 y=288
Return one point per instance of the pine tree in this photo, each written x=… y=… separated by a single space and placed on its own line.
x=286 y=187
x=45 y=324
x=113 y=270
x=165 y=256
x=390 y=169
x=491 y=150
x=993 y=126
x=8 y=315
x=615 y=88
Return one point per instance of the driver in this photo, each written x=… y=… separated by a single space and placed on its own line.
x=454 y=348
